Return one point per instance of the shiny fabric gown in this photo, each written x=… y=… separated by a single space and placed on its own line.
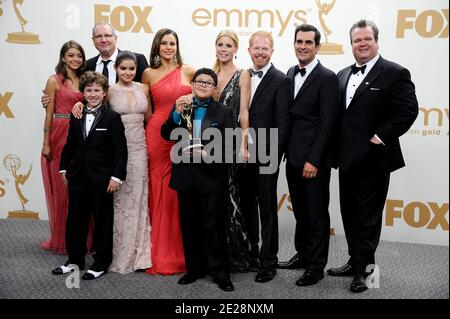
x=238 y=244
x=167 y=245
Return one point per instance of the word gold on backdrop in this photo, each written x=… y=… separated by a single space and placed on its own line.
x=21 y=37
x=12 y=163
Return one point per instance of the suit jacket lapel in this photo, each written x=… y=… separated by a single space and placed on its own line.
x=209 y=116
x=309 y=81
x=372 y=76
x=343 y=82
x=82 y=122
x=262 y=86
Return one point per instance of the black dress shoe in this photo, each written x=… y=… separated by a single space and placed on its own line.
x=92 y=275
x=189 y=278
x=358 y=284
x=265 y=275
x=66 y=269
x=346 y=270
x=310 y=277
x=225 y=284
x=296 y=262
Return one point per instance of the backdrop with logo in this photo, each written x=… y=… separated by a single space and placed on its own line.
x=413 y=33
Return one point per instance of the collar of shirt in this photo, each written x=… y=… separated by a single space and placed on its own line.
x=93 y=109
x=309 y=68
x=370 y=64
x=112 y=58
x=299 y=80
x=264 y=70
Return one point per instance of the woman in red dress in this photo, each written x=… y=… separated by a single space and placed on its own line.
x=64 y=93
x=168 y=79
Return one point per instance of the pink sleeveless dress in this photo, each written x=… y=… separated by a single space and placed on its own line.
x=131 y=237
x=167 y=245
x=55 y=191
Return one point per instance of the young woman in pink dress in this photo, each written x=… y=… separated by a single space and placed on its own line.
x=168 y=79
x=63 y=91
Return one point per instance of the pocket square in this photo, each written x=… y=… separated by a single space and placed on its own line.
x=101 y=129
x=375 y=89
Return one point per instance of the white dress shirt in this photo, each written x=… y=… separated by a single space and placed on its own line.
x=256 y=80
x=90 y=120
x=111 y=70
x=299 y=80
x=356 y=80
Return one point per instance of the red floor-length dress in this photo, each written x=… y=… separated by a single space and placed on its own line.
x=55 y=191
x=167 y=245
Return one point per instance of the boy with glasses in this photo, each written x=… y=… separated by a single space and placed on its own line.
x=201 y=186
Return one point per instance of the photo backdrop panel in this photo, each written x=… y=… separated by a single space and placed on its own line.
x=413 y=33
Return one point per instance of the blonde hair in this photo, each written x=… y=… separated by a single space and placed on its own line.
x=262 y=34
x=225 y=33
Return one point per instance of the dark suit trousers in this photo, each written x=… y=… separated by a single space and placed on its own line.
x=261 y=190
x=362 y=198
x=310 y=200
x=86 y=199
x=202 y=218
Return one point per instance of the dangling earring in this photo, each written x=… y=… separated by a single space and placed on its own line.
x=157 y=60
x=175 y=60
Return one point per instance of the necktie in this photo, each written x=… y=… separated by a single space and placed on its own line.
x=257 y=73
x=105 y=71
x=356 y=69
x=302 y=71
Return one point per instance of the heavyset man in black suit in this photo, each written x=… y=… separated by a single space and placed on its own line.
x=311 y=154
x=380 y=104
x=269 y=109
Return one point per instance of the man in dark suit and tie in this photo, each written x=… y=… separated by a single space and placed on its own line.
x=93 y=165
x=201 y=181
x=105 y=41
x=380 y=105
x=271 y=96
x=311 y=154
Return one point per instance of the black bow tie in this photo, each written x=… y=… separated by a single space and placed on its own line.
x=257 y=73
x=196 y=103
x=356 y=69
x=93 y=112
x=298 y=70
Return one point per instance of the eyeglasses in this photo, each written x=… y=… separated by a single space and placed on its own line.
x=207 y=84
x=100 y=36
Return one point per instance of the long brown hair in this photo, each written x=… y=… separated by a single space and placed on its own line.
x=156 y=46
x=61 y=66
x=225 y=33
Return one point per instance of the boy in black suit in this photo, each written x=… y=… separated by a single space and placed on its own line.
x=93 y=165
x=202 y=185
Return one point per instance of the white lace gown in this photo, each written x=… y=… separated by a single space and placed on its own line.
x=131 y=241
